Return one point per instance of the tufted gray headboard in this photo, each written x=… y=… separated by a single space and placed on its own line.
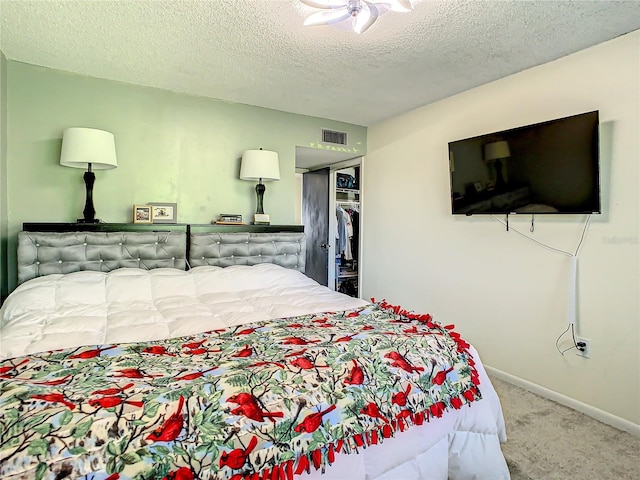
x=44 y=253
x=287 y=249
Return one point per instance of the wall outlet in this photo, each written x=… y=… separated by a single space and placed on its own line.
x=586 y=350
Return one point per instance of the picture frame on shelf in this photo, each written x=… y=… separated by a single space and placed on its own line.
x=142 y=213
x=164 y=212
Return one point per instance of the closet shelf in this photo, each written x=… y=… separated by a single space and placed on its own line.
x=347 y=274
x=348 y=190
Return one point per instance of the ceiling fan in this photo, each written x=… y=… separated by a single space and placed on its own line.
x=361 y=14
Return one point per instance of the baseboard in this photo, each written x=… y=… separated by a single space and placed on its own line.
x=600 y=415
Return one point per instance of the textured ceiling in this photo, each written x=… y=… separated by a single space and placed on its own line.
x=257 y=52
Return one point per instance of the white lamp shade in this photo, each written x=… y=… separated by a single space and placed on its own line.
x=84 y=146
x=259 y=164
x=495 y=150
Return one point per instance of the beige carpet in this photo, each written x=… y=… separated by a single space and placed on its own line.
x=548 y=441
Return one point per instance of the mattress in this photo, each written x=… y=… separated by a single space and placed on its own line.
x=129 y=305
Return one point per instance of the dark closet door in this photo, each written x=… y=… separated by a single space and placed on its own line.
x=315 y=217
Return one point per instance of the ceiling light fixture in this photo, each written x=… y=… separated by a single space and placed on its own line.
x=361 y=14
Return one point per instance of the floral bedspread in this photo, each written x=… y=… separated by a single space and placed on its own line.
x=262 y=400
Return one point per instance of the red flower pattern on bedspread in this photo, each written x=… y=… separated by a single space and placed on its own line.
x=245 y=403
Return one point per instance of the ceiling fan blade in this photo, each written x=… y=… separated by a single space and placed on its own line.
x=325 y=3
x=327 y=18
x=367 y=16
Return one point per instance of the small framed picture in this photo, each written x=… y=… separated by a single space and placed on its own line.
x=142 y=213
x=164 y=212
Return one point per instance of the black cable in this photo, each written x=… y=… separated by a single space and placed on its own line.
x=558 y=340
x=584 y=231
x=567 y=349
x=573 y=337
x=549 y=247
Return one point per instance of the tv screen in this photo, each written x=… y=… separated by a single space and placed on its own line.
x=548 y=167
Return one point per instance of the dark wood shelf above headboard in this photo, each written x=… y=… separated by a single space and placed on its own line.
x=157 y=227
x=213 y=228
x=104 y=227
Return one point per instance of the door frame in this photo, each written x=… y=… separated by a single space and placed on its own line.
x=333 y=221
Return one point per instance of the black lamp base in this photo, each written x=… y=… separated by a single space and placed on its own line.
x=89 y=212
x=260 y=189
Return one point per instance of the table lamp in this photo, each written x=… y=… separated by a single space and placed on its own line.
x=261 y=165
x=91 y=149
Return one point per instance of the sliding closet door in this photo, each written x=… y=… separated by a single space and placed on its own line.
x=315 y=217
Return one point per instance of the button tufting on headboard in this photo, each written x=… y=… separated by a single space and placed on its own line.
x=287 y=249
x=44 y=253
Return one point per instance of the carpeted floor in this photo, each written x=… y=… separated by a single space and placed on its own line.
x=548 y=441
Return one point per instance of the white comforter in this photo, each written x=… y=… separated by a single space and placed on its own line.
x=131 y=305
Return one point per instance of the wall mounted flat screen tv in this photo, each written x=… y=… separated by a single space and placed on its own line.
x=548 y=167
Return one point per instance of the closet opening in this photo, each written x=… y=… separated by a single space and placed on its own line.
x=331 y=206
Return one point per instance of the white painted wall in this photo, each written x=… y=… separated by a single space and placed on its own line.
x=507 y=295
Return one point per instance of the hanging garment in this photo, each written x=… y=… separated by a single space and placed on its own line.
x=341 y=231
x=345 y=233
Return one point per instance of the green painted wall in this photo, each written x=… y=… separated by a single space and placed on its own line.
x=3 y=177
x=170 y=147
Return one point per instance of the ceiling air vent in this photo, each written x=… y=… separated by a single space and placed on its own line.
x=331 y=136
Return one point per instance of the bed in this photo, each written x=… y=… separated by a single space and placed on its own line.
x=171 y=355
